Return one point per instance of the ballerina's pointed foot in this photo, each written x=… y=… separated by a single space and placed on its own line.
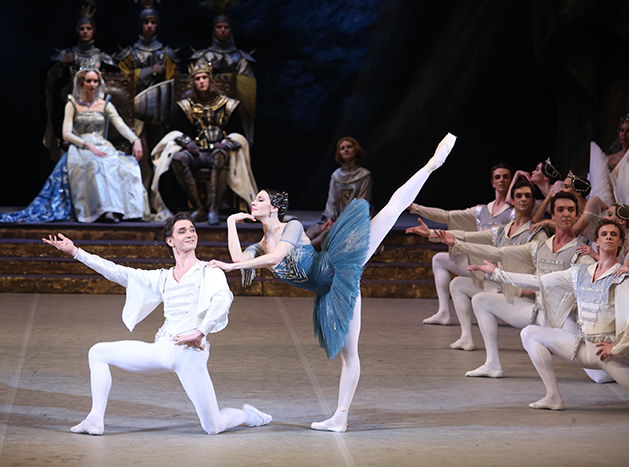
x=442 y=151
x=547 y=404
x=88 y=428
x=337 y=424
x=462 y=344
x=484 y=371
x=264 y=418
x=438 y=318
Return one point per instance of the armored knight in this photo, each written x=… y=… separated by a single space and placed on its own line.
x=233 y=72
x=60 y=76
x=204 y=135
x=153 y=66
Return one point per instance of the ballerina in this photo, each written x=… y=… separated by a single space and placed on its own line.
x=334 y=274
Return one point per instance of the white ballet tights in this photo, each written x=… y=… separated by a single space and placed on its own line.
x=379 y=227
x=487 y=307
x=443 y=264
x=462 y=289
x=542 y=343
x=490 y=306
x=162 y=357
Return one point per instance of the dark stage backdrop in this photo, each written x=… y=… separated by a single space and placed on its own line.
x=516 y=81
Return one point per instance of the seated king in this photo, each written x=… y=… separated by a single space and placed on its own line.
x=203 y=134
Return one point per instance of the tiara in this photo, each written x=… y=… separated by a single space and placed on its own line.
x=584 y=184
x=91 y=63
x=549 y=169
x=200 y=66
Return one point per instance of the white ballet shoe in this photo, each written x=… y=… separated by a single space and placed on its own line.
x=333 y=424
x=87 y=428
x=328 y=425
x=484 y=371
x=265 y=418
x=546 y=404
x=441 y=153
x=438 y=318
x=462 y=345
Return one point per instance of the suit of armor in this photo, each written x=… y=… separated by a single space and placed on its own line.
x=233 y=73
x=138 y=60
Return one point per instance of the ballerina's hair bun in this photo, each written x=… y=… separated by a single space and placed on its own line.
x=279 y=200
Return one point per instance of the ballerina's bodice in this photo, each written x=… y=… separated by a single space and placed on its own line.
x=307 y=269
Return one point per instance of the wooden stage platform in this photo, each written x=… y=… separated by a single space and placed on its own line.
x=401 y=270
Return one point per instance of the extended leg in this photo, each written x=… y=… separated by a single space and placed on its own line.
x=350 y=375
x=384 y=221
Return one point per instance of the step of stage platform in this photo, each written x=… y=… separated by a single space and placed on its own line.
x=401 y=270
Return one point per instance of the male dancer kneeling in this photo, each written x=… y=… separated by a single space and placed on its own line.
x=196 y=302
x=601 y=292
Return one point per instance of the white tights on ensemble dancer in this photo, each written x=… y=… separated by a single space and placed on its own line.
x=443 y=265
x=379 y=227
x=542 y=343
x=462 y=289
x=162 y=357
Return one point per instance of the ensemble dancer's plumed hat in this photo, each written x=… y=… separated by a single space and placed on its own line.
x=200 y=66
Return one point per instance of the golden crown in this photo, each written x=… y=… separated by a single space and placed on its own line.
x=87 y=11
x=200 y=66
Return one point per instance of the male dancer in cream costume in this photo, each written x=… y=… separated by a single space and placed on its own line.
x=557 y=253
x=601 y=293
x=196 y=302
x=481 y=217
x=515 y=232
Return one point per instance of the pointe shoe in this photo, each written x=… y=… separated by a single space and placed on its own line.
x=484 y=371
x=87 y=428
x=328 y=426
x=546 y=404
x=265 y=418
x=462 y=345
x=331 y=424
x=438 y=318
x=441 y=153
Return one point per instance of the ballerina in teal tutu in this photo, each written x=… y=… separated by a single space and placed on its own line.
x=334 y=274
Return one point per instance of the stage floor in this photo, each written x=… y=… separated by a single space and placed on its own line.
x=413 y=405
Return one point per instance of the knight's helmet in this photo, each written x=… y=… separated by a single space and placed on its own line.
x=86 y=13
x=148 y=10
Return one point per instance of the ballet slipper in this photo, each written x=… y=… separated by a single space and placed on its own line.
x=337 y=424
x=87 y=428
x=438 y=318
x=265 y=418
x=484 y=371
x=441 y=153
x=462 y=344
x=547 y=404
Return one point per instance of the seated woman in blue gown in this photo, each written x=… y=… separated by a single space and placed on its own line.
x=334 y=274
x=93 y=180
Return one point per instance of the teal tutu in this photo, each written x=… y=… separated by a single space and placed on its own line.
x=344 y=252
